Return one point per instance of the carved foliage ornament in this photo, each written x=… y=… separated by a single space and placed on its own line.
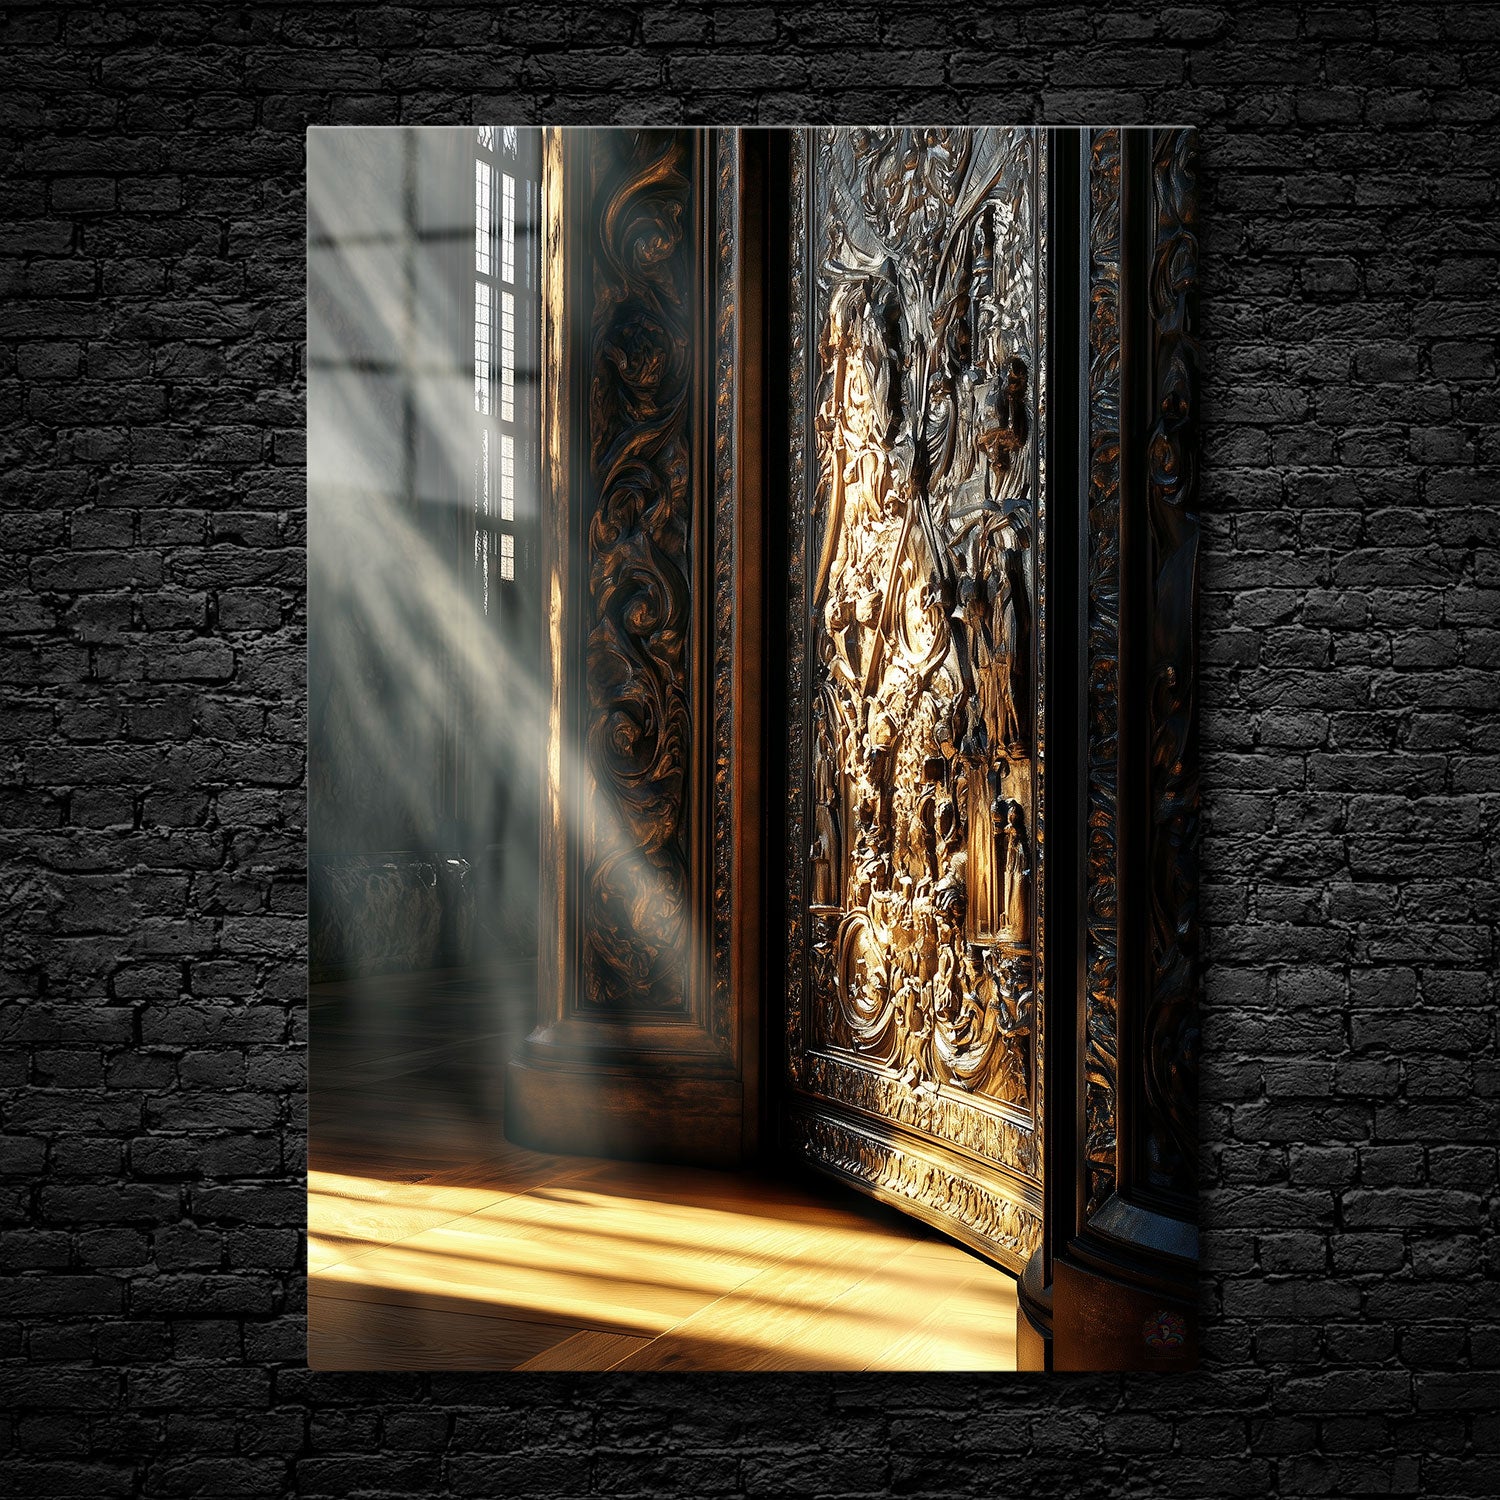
x=1171 y=1042
x=726 y=344
x=866 y=1157
x=638 y=601
x=797 y=926
x=1102 y=915
x=920 y=648
x=922 y=726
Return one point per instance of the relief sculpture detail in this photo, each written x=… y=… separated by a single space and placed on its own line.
x=639 y=562
x=921 y=653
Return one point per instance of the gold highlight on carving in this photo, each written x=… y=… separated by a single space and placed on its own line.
x=921 y=752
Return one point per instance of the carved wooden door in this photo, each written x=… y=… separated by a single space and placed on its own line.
x=917 y=616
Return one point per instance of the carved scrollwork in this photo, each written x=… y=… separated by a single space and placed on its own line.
x=1014 y=1229
x=914 y=636
x=1102 y=914
x=923 y=600
x=1171 y=1034
x=797 y=873
x=726 y=269
x=992 y=1135
x=639 y=606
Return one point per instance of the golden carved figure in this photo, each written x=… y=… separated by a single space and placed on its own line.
x=920 y=738
x=1017 y=881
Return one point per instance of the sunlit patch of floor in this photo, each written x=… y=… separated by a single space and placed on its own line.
x=610 y=1265
x=435 y=1244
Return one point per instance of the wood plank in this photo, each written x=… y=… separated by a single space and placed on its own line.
x=589 y=1349
x=347 y=1335
x=530 y=1278
x=350 y=1214
x=973 y=1328
x=673 y=1235
x=358 y=1234
x=780 y=1319
x=436 y=1244
x=769 y=1203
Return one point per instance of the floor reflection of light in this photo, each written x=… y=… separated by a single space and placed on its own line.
x=624 y=1224
x=745 y=1277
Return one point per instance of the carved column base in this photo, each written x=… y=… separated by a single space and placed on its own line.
x=1033 y=1318
x=564 y=1095
x=1103 y=1323
x=1121 y=1297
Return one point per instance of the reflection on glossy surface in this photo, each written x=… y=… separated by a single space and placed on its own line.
x=434 y=1244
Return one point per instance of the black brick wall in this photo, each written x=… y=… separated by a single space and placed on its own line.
x=152 y=966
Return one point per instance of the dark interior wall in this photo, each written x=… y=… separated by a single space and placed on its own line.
x=154 y=717
x=386 y=210
x=422 y=658
x=385 y=213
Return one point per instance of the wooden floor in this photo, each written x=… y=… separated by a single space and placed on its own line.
x=435 y=1244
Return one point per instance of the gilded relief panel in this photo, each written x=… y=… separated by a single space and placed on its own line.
x=921 y=591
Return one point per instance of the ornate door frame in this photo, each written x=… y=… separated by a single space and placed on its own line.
x=1115 y=1286
x=648 y=1034
x=1016 y=1062
x=1095 y=1204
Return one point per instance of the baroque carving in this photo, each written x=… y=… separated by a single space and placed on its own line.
x=721 y=1008
x=796 y=624
x=914 y=828
x=1015 y=1230
x=994 y=1136
x=648 y=991
x=1102 y=910
x=923 y=662
x=1171 y=1035
x=637 y=616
